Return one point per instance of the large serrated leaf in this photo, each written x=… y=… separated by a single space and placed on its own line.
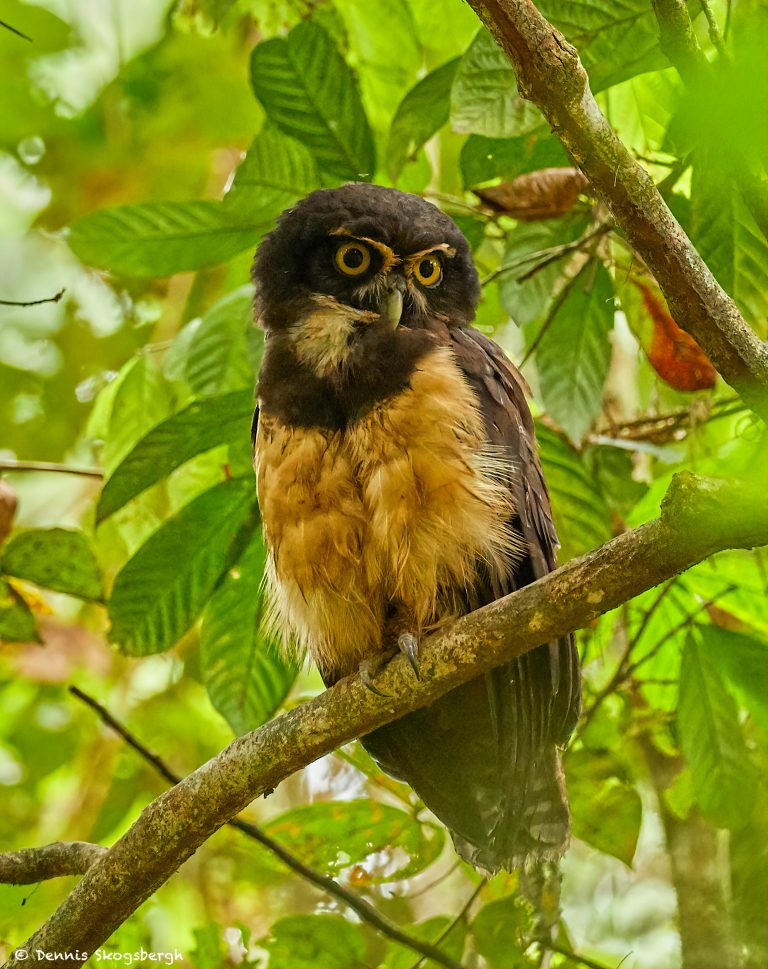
x=162 y=238
x=246 y=678
x=606 y=808
x=421 y=113
x=60 y=559
x=198 y=428
x=160 y=592
x=711 y=740
x=616 y=39
x=17 y=624
x=743 y=661
x=275 y=171
x=728 y=238
x=314 y=941
x=528 y=244
x=574 y=354
x=334 y=835
x=499 y=930
x=430 y=930
x=483 y=159
x=214 y=358
x=309 y=92
x=126 y=409
x=582 y=517
x=485 y=99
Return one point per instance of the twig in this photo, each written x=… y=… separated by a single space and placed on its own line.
x=714 y=30
x=619 y=675
x=364 y=909
x=699 y=517
x=582 y=960
x=47 y=299
x=15 y=30
x=11 y=465
x=452 y=925
x=32 y=865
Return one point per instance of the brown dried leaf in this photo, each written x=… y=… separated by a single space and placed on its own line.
x=675 y=356
x=7 y=510
x=544 y=194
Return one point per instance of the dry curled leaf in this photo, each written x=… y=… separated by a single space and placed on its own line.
x=544 y=194
x=7 y=510
x=675 y=356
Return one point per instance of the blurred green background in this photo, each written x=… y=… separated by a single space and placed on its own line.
x=145 y=148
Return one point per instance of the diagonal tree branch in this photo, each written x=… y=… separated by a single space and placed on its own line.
x=699 y=516
x=551 y=75
x=367 y=912
x=32 y=865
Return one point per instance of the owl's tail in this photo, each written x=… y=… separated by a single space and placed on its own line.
x=481 y=759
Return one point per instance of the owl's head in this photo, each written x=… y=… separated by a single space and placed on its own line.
x=362 y=254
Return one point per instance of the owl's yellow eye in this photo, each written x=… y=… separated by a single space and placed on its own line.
x=428 y=271
x=353 y=258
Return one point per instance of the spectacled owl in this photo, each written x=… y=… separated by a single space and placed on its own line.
x=400 y=487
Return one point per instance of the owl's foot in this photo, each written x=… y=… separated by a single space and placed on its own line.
x=371 y=666
x=409 y=645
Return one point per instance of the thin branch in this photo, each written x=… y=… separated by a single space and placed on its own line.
x=11 y=465
x=32 y=865
x=677 y=39
x=699 y=517
x=364 y=909
x=15 y=30
x=714 y=30
x=551 y=75
x=582 y=960
x=47 y=299
x=461 y=915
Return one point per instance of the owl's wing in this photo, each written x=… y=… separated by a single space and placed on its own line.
x=484 y=756
x=552 y=670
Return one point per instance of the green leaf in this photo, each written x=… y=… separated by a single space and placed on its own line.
x=215 y=359
x=245 y=676
x=60 y=559
x=743 y=661
x=315 y=941
x=275 y=171
x=309 y=92
x=575 y=351
x=162 y=590
x=198 y=428
x=162 y=238
x=616 y=39
x=728 y=238
x=17 y=624
x=333 y=835
x=499 y=930
x=421 y=113
x=483 y=159
x=210 y=950
x=711 y=740
x=528 y=244
x=605 y=807
x=133 y=403
x=485 y=99
x=582 y=518
x=400 y=957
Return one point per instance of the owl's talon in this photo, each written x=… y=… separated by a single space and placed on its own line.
x=408 y=645
x=368 y=668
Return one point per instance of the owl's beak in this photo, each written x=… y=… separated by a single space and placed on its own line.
x=391 y=306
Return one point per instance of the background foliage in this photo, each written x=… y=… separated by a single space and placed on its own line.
x=146 y=148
